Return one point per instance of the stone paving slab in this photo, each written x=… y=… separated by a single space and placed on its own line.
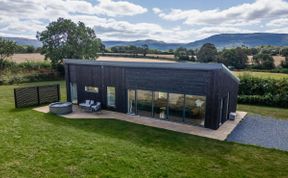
x=220 y=134
x=262 y=131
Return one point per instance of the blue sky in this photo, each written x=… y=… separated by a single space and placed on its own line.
x=165 y=20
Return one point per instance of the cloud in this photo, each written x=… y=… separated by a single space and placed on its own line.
x=157 y=10
x=111 y=8
x=278 y=22
x=242 y=14
x=26 y=17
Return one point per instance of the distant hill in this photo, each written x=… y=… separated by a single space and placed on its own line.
x=220 y=41
x=25 y=41
x=249 y=40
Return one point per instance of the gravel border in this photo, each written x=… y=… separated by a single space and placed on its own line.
x=262 y=131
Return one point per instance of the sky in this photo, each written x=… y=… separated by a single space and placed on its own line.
x=163 y=20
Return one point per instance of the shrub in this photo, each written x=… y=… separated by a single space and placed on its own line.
x=269 y=92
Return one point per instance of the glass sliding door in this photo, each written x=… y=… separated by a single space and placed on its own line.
x=131 y=101
x=160 y=105
x=73 y=93
x=176 y=106
x=144 y=103
x=195 y=109
x=111 y=97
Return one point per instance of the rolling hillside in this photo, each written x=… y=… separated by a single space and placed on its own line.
x=221 y=41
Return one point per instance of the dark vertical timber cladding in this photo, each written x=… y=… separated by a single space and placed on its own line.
x=167 y=80
x=224 y=84
x=211 y=102
x=213 y=83
x=67 y=79
x=88 y=76
x=115 y=77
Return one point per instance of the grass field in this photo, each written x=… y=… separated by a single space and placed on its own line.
x=280 y=113
x=262 y=74
x=43 y=145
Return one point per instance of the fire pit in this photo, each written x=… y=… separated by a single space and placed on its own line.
x=60 y=108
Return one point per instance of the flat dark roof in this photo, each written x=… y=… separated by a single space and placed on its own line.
x=163 y=65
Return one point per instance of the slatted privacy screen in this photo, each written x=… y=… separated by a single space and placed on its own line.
x=35 y=96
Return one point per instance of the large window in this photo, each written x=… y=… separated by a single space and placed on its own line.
x=91 y=89
x=160 y=105
x=73 y=93
x=171 y=106
x=195 y=109
x=111 y=97
x=176 y=104
x=144 y=103
x=131 y=101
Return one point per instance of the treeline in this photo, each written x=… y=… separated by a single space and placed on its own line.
x=135 y=50
x=27 y=49
x=236 y=58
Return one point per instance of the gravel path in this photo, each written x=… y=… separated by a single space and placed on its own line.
x=261 y=131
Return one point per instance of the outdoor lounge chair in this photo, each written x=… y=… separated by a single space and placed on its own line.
x=90 y=105
x=87 y=104
x=96 y=107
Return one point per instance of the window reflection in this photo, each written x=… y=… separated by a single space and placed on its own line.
x=131 y=101
x=176 y=104
x=144 y=103
x=160 y=105
x=195 y=109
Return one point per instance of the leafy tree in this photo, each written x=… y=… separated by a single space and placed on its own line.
x=30 y=49
x=207 y=53
x=145 y=49
x=284 y=52
x=66 y=39
x=234 y=57
x=263 y=61
x=7 y=49
x=181 y=54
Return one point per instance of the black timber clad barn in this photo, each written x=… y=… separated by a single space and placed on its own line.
x=180 y=92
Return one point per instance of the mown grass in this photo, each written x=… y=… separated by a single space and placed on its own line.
x=43 y=145
x=261 y=74
x=278 y=113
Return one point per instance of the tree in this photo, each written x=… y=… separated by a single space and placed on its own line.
x=234 y=57
x=30 y=49
x=284 y=52
x=66 y=39
x=181 y=54
x=145 y=49
x=263 y=61
x=207 y=53
x=7 y=49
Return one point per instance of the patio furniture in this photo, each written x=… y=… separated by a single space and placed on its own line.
x=60 y=108
x=90 y=105
x=96 y=107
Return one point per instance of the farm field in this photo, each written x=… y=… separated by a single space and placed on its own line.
x=277 y=60
x=44 y=145
x=38 y=58
x=262 y=74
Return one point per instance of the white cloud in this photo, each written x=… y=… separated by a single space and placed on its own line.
x=25 y=17
x=156 y=10
x=242 y=14
x=278 y=22
x=111 y=8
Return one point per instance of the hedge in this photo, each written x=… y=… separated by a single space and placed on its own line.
x=259 y=91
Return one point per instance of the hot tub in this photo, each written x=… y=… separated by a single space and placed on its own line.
x=60 y=108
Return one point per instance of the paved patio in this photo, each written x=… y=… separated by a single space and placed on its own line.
x=220 y=134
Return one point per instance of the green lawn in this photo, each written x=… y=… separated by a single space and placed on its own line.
x=262 y=74
x=280 y=113
x=34 y=144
